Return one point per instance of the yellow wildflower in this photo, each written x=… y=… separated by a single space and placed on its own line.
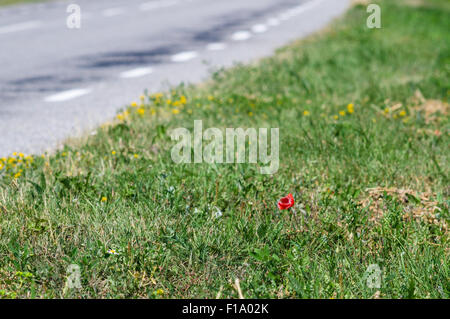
x=160 y=292
x=306 y=113
x=342 y=113
x=141 y=111
x=104 y=199
x=175 y=111
x=17 y=175
x=402 y=113
x=350 y=108
x=250 y=113
x=386 y=110
x=135 y=155
x=113 y=152
x=336 y=117
x=134 y=104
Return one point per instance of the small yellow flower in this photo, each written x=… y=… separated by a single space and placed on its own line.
x=17 y=175
x=113 y=152
x=141 y=111
x=175 y=111
x=15 y=154
x=142 y=98
x=342 y=113
x=306 y=113
x=386 y=110
x=134 y=104
x=210 y=98
x=250 y=113
x=350 y=108
x=64 y=154
x=135 y=155
x=336 y=117
x=160 y=292
x=21 y=155
x=183 y=99
x=402 y=113
x=120 y=117
x=104 y=199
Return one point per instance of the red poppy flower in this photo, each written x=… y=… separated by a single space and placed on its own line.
x=286 y=202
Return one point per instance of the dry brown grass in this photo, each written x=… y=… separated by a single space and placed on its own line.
x=416 y=206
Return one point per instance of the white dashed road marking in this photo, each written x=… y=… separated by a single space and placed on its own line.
x=67 y=95
x=259 y=28
x=241 y=36
x=216 y=46
x=299 y=9
x=136 y=73
x=20 y=27
x=184 y=56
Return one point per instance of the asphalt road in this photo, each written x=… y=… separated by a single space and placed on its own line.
x=57 y=82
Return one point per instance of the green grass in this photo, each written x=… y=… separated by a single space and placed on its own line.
x=160 y=216
x=10 y=2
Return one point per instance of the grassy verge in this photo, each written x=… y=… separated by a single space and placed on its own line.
x=363 y=120
x=10 y=2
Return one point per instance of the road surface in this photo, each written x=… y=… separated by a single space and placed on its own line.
x=57 y=82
